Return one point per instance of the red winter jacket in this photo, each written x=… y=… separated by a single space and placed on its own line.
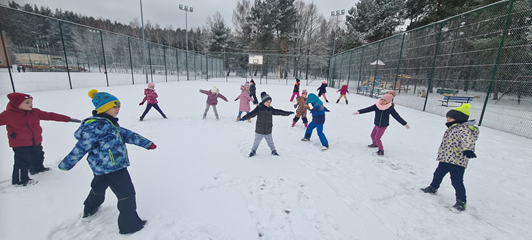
x=23 y=127
x=343 y=90
x=150 y=95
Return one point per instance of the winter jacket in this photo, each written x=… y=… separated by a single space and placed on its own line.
x=212 y=99
x=105 y=142
x=343 y=90
x=252 y=89
x=244 y=100
x=23 y=127
x=322 y=89
x=382 y=117
x=302 y=106
x=264 y=118
x=150 y=95
x=456 y=139
x=318 y=113
x=296 y=87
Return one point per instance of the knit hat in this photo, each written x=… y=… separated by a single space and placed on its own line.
x=15 y=99
x=297 y=80
x=344 y=83
x=324 y=81
x=246 y=85
x=460 y=114
x=151 y=85
x=214 y=89
x=304 y=92
x=314 y=100
x=388 y=97
x=265 y=97
x=103 y=101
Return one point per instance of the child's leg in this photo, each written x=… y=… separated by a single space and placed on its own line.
x=297 y=93
x=215 y=111
x=206 y=110
x=310 y=127
x=97 y=194
x=323 y=139
x=21 y=165
x=344 y=96
x=373 y=134
x=148 y=107
x=457 y=180
x=256 y=142
x=156 y=106
x=441 y=171
x=269 y=140
x=255 y=101
x=305 y=121
x=128 y=219
x=324 y=97
x=378 y=136
x=296 y=118
x=239 y=114
x=37 y=159
x=293 y=94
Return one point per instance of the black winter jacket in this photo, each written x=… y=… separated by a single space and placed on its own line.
x=322 y=89
x=382 y=118
x=296 y=87
x=264 y=118
x=252 y=89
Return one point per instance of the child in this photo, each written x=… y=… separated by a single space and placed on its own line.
x=212 y=100
x=105 y=140
x=383 y=108
x=263 y=129
x=323 y=89
x=302 y=107
x=244 y=101
x=296 y=90
x=25 y=135
x=318 y=119
x=252 y=91
x=151 y=96
x=343 y=91
x=460 y=135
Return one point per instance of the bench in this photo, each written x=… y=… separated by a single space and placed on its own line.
x=367 y=90
x=457 y=99
x=447 y=91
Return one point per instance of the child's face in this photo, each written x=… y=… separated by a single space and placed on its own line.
x=450 y=119
x=268 y=103
x=383 y=102
x=113 y=111
x=27 y=105
x=304 y=95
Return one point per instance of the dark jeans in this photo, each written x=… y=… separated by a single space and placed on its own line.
x=29 y=158
x=457 y=178
x=254 y=96
x=121 y=185
x=149 y=106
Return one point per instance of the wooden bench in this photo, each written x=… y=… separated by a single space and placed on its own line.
x=457 y=99
x=367 y=90
x=447 y=91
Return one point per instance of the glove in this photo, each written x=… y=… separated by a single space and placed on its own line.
x=140 y=104
x=469 y=154
x=242 y=119
x=407 y=127
x=152 y=146
x=356 y=113
x=74 y=120
x=295 y=105
x=291 y=113
x=236 y=99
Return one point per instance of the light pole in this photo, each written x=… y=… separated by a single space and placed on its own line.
x=336 y=13
x=186 y=9
x=143 y=42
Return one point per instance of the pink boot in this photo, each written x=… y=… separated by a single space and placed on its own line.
x=306 y=124
x=293 y=123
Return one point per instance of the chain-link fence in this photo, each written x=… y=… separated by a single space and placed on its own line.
x=67 y=51
x=483 y=57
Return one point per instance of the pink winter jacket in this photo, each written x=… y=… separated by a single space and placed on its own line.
x=343 y=90
x=150 y=95
x=212 y=99
x=244 y=100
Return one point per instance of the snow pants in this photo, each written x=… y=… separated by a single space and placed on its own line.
x=258 y=139
x=293 y=95
x=207 y=110
x=376 y=136
x=122 y=186
x=28 y=158
x=149 y=106
x=319 y=129
x=457 y=178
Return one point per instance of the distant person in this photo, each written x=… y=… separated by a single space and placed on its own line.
x=323 y=89
x=23 y=68
x=151 y=96
x=253 y=91
x=212 y=100
x=296 y=90
x=244 y=101
x=19 y=68
x=343 y=92
x=318 y=119
x=302 y=107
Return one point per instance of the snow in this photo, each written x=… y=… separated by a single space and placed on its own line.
x=200 y=184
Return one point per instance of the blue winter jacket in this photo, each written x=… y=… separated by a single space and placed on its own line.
x=318 y=114
x=106 y=144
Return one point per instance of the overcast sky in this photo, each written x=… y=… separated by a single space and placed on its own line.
x=165 y=12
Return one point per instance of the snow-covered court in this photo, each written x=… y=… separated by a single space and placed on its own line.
x=200 y=183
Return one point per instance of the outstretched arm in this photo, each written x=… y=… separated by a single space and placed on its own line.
x=251 y=114
x=134 y=138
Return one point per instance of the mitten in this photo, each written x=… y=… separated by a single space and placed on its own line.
x=407 y=127
x=356 y=113
x=152 y=146
x=242 y=119
x=469 y=154
x=291 y=113
x=74 y=120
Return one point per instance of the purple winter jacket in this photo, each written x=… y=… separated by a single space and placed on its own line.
x=211 y=98
x=244 y=100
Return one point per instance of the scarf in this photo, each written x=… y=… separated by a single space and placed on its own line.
x=383 y=107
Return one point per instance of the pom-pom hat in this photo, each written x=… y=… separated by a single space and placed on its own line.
x=103 y=101
x=151 y=85
x=460 y=114
x=15 y=99
x=265 y=97
x=388 y=97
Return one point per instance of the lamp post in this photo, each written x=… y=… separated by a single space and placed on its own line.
x=186 y=9
x=336 y=13
x=143 y=42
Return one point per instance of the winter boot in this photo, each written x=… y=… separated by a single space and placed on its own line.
x=249 y=120
x=274 y=152
x=373 y=145
x=430 y=190
x=293 y=124
x=337 y=100
x=44 y=169
x=325 y=147
x=380 y=153
x=460 y=205
x=346 y=102
x=91 y=212
x=252 y=153
x=141 y=118
x=306 y=138
x=306 y=124
x=204 y=116
x=326 y=100
x=238 y=119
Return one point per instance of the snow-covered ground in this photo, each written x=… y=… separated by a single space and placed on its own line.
x=200 y=184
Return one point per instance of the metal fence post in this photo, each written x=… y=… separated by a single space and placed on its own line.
x=494 y=73
x=349 y=67
x=104 y=63
x=177 y=63
x=360 y=71
x=130 y=61
x=8 y=64
x=149 y=58
x=399 y=63
x=165 y=71
x=376 y=66
x=433 y=65
x=64 y=51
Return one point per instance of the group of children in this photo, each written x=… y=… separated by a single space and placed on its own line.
x=103 y=139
